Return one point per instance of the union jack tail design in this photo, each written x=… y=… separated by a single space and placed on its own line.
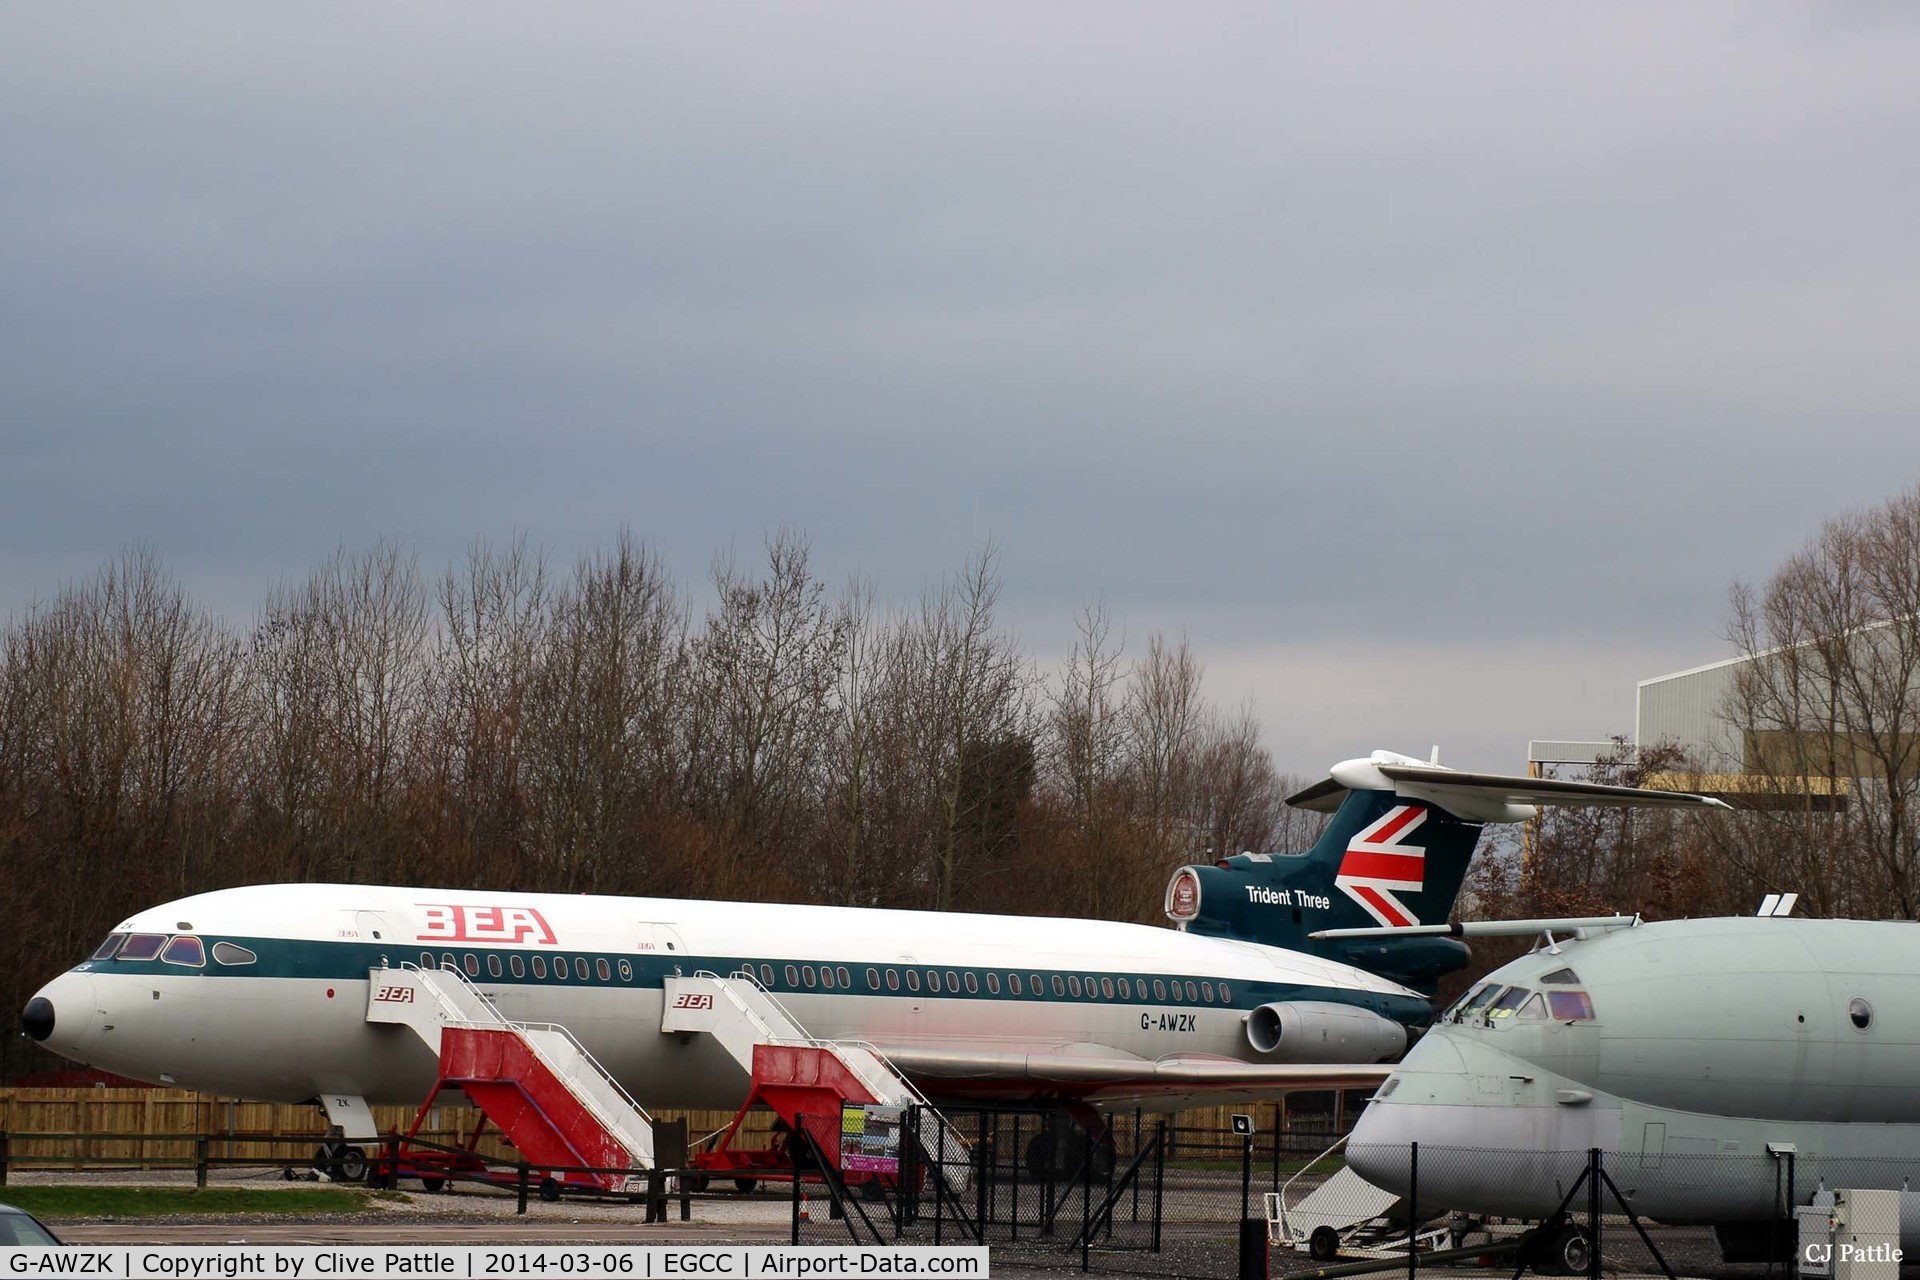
x=1379 y=863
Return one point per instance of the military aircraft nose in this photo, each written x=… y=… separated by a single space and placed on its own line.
x=37 y=1018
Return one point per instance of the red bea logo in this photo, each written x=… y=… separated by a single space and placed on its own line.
x=451 y=922
x=687 y=1000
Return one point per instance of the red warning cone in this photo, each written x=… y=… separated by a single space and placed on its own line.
x=804 y=1215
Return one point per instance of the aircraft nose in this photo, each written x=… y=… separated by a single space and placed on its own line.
x=37 y=1018
x=61 y=1014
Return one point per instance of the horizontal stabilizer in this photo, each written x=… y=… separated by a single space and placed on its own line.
x=1480 y=797
x=1487 y=928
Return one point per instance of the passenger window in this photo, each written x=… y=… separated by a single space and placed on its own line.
x=447 y=961
x=846 y=979
x=539 y=966
x=185 y=950
x=1106 y=987
x=112 y=944
x=1192 y=994
x=913 y=979
x=766 y=975
x=560 y=968
x=1013 y=983
x=515 y=963
x=1226 y=997
x=973 y=984
x=143 y=946
x=1535 y=1009
x=1570 y=1006
x=1159 y=989
x=933 y=980
x=233 y=953
x=826 y=976
x=793 y=976
x=626 y=972
x=426 y=959
x=493 y=965
x=1140 y=988
x=1059 y=985
x=893 y=979
x=1206 y=992
x=473 y=965
x=580 y=968
x=1510 y=999
x=1073 y=984
x=873 y=979
x=604 y=970
x=993 y=984
x=953 y=980
x=1038 y=989
x=806 y=975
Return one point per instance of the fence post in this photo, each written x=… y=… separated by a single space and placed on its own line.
x=6 y=1154
x=521 y=1178
x=793 y=1158
x=1793 y=1224
x=1013 y=1192
x=984 y=1177
x=1593 y=1215
x=1159 y=1178
x=1413 y=1210
x=200 y=1161
x=1086 y=1197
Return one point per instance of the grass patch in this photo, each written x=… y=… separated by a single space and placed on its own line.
x=155 y=1202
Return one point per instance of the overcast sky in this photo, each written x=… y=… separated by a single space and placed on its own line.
x=1433 y=368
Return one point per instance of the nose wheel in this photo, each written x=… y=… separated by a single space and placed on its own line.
x=341 y=1162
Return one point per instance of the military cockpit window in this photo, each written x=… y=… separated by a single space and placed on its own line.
x=1570 y=1006
x=111 y=945
x=1480 y=999
x=1565 y=977
x=187 y=950
x=232 y=953
x=1512 y=998
x=1860 y=1013
x=1534 y=1009
x=143 y=946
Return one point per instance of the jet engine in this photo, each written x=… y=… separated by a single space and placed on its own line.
x=1317 y=1031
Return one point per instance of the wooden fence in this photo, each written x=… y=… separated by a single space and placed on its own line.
x=166 y=1117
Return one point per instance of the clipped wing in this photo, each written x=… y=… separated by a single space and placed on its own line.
x=1089 y=1073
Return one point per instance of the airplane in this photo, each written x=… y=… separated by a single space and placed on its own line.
x=261 y=992
x=1698 y=1055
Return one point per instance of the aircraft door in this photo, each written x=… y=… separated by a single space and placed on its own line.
x=661 y=942
x=374 y=929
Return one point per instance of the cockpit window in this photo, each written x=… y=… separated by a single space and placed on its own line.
x=143 y=946
x=1570 y=1006
x=1509 y=1000
x=111 y=945
x=1533 y=1010
x=1475 y=1001
x=187 y=950
x=232 y=953
x=1565 y=977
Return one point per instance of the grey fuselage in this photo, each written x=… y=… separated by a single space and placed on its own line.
x=1709 y=1042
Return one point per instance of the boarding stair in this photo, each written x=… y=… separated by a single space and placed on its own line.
x=548 y=1096
x=1344 y=1215
x=806 y=1081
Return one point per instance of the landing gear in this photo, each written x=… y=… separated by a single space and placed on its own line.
x=1563 y=1250
x=340 y=1162
x=745 y=1184
x=1324 y=1244
x=549 y=1189
x=1057 y=1149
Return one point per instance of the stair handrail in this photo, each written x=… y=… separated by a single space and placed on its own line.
x=504 y=1022
x=1287 y=1206
x=753 y=980
x=447 y=1006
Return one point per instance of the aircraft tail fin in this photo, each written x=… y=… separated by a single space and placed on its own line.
x=1394 y=856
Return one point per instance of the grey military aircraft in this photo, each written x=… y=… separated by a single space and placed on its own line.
x=1700 y=1055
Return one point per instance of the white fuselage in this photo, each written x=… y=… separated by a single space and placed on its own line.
x=290 y=1023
